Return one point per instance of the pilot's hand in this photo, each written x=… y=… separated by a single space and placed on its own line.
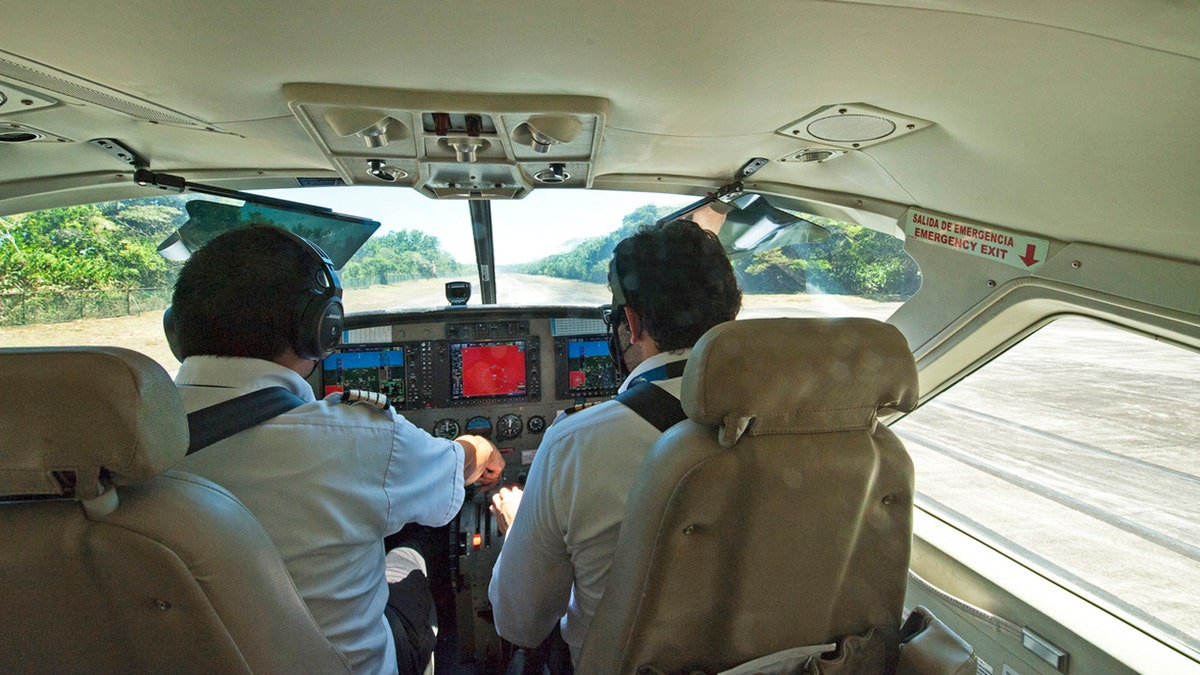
x=482 y=462
x=504 y=507
x=492 y=470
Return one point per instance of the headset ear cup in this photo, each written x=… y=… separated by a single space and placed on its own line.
x=332 y=325
x=172 y=334
x=319 y=326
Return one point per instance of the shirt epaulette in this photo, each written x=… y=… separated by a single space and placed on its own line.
x=580 y=406
x=376 y=399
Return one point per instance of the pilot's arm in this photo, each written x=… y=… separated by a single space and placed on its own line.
x=709 y=217
x=531 y=582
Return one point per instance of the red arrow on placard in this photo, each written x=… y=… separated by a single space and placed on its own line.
x=1029 y=258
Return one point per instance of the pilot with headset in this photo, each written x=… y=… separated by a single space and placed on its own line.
x=257 y=308
x=670 y=284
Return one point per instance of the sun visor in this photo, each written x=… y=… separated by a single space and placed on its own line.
x=338 y=236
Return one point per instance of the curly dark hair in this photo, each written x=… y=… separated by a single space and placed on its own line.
x=679 y=280
x=238 y=295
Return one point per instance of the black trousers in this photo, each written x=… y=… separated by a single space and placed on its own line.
x=411 y=615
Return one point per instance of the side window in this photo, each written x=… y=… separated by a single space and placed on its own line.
x=1078 y=453
x=89 y=274
x=856 y=271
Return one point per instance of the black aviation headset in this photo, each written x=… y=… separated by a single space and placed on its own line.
x=320 y=316
x=615 y=314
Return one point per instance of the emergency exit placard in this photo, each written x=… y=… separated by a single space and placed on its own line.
x=1018 y=250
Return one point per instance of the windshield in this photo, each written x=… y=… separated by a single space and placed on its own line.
x=90 y=274
x=553 y=247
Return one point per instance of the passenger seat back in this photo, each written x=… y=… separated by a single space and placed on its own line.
x=779 y=515
x=112 y=562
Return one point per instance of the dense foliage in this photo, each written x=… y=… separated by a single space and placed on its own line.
x=95 y=246
x=588 y=261
x=404 y=254
x=113 y=245
x=854 y=260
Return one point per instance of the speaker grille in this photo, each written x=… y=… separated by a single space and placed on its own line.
x=851 y=128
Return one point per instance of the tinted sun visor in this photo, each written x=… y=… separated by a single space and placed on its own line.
x=755 y=225
x=339 y=236
x=751 y=223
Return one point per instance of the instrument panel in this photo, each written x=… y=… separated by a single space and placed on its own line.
x=500 y=372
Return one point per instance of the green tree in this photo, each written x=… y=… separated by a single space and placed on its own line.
x=861 y=261
x=588 y=260
x=773 y=271
x=79 y=247
x=156 y=220
x=854 y=260
x=403 y=253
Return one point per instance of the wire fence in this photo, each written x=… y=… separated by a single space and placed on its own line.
x=378 y=279
x=22 y=308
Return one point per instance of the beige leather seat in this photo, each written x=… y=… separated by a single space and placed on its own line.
x=779 y=515
x=110 y=561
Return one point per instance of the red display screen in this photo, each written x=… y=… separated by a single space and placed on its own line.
x=487 y=369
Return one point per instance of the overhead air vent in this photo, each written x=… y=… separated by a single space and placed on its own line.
x=850 y=126
x=7 y=136
x=813 y=155
x=543 y=132
x=555 y=174
x=15 y=132
x=373 y=127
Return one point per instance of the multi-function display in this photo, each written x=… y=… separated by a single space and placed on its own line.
x=584 y=368
x=370 y=367
x=488 y=369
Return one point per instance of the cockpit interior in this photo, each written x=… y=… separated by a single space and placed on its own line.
x=1004 y=190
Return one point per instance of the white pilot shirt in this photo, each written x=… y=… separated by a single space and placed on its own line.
x=557 y=554
x=327 y=481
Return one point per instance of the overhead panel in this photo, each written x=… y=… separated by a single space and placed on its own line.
x=451 y=145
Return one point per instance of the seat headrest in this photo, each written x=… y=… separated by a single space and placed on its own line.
x=773 y=376
x=92 y=416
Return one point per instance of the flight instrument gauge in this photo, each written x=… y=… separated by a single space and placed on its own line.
x=446 y=428
x=480 y=426
x=537 y=424
x=508 y=427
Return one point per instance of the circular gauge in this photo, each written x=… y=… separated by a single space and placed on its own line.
x=480 y=426
x=508 y=426
x=446 y=428
x=537 y=424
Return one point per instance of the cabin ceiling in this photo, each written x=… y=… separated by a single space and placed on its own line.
x=1072 y=120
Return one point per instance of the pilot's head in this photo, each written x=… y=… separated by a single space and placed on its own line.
x=679 y=281
x=256 y=292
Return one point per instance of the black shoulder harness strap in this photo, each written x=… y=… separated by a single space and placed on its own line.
x=654 y=404
x=218 y=422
